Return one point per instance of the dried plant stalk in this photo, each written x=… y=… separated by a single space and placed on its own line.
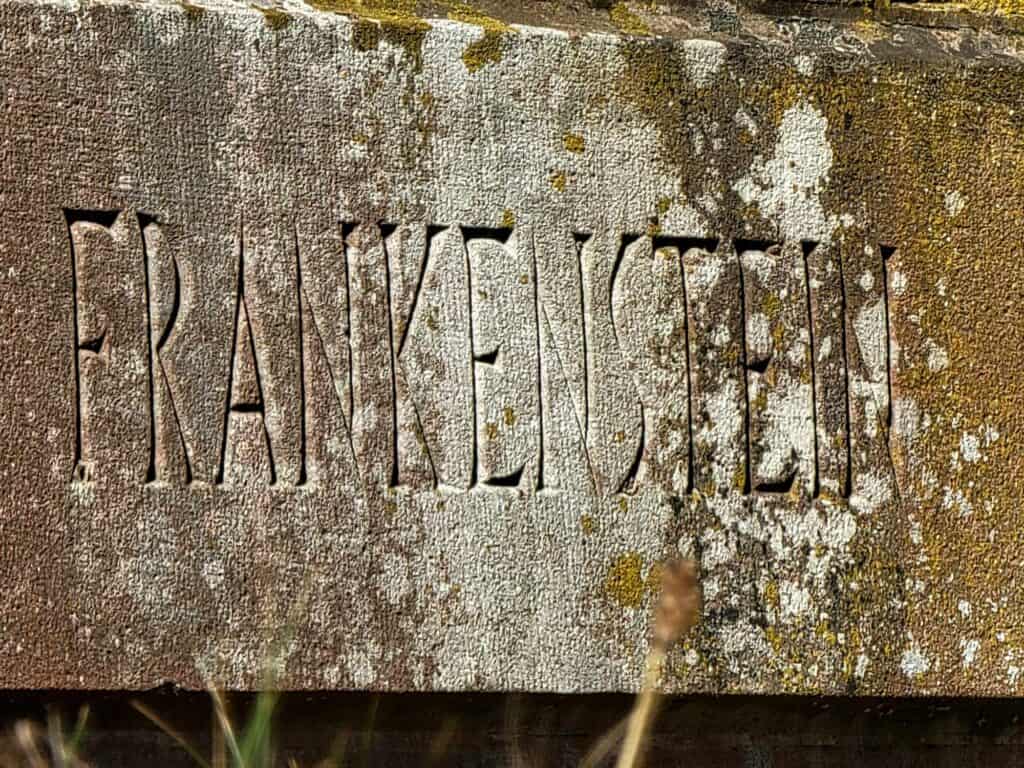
x=675 y=615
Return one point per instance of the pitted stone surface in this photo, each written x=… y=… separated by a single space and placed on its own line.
x=414 y=345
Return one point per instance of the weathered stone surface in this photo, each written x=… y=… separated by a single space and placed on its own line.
x=416 y=345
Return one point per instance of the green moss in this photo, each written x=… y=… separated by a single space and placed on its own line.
x=274 y=18
x=488 y=49
x=628 y=22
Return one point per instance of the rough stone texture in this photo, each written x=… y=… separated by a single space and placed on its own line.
x=411 y=347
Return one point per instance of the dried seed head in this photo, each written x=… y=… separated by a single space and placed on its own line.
x=679 y=605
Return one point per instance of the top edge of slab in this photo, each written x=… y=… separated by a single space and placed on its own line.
x=933 y=33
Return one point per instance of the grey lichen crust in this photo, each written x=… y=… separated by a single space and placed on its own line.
x=415 y=344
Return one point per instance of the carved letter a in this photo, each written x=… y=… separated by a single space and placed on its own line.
x=246 y=452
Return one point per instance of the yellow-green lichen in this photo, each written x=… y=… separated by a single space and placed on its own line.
x=654 y=81
x=431 y=319
x=990 y=7
x=626 y=21
x=772 y=305
x=558 y=180
x=394 y=21
x=508 y=219
x=574 y=142
x=488 y=49
x=624 y=582
x=955 y=555
x=826 y=633
x=739 y=479
x=934 y=125
x=192 y=12
x=1007 y=7
x=588 y=524
x=365 y=34
x=274 y=18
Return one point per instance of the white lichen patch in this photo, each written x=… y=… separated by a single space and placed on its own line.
x=955 y=500
x=970 y=448
x=907 y=419
x=899 y=283
x=743 y=119
x=968 y=652
x=914 y=662
x=954 y=203
x=704 y=60
x=938 y=358
x=787 y=187
x=794 y=600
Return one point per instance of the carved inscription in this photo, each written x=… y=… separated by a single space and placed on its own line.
x=379 y=355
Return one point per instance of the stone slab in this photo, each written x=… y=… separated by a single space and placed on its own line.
x=411 y=347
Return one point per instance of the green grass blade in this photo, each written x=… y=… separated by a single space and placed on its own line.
x=154 y=718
